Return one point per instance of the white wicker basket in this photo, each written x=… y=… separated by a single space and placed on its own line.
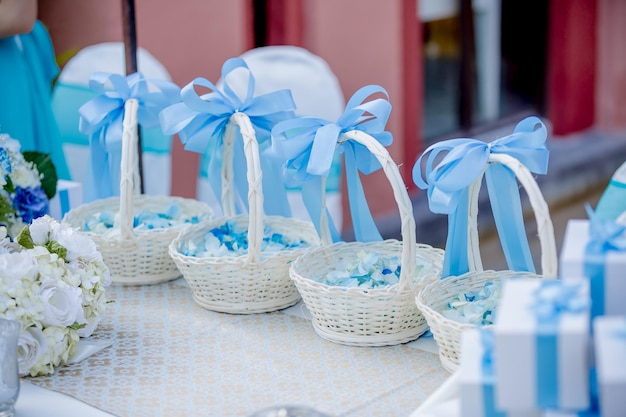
x=256 y=282
x=435 y=295
x=136 y=257
x=368 y=317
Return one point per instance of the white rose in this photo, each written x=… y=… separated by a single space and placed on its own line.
x=18 y=265
x=62 y=303
x=90 y=327
x=61 y=344
x=77 y=244
x=5 y=242
x=40 y=230
x=25 y=175
x=32 y=346
x=10 y=144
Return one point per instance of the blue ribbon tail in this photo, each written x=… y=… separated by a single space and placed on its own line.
x=506 y=206
x=365 y=229
x=455 y=258
x=99 y=176
x=240 y=179
x=334 y=234
x=312 y=199
x=275 y=201
x=214 y=170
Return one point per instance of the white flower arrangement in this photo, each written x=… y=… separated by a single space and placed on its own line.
x=52 y=281
x=27 y=183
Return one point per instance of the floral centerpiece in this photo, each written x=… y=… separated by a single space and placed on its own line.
x=27 y=183
x=52 y=281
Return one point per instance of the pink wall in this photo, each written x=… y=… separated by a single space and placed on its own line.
x=611 y=73
x=191 y=38
x=363 y=41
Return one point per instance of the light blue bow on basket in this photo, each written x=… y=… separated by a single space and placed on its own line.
x=101 y=118
x=306 y=146
x=448 y=179
x=201 y=120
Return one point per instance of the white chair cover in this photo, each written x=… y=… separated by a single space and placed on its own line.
x=72 y=90
x=316 y=92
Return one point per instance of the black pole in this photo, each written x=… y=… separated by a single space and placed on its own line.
x=468 y=65
x=130 y=57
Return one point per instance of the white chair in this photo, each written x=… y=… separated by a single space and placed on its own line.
x=316 y=92
x=72 y=90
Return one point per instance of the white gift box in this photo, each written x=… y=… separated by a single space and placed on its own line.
x=608 y=294
x=543 y=347
x=558 y=413
x=477 y=380
x=69 y=195
x=610 y=349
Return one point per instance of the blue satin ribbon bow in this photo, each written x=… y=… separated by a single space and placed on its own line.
x=101 y=118
x=447 y=182
x=604 y=236
x=307 y=145
x=552 y=299
x=200 y=121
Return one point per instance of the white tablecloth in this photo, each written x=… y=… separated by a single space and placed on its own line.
x=171 y=358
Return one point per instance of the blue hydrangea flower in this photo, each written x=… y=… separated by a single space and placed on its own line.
x=5 y=162
x=30 y=203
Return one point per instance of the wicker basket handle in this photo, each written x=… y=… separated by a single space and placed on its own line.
x=545 y=229
x=402 y=200
x=254 y=176
x=129 y=169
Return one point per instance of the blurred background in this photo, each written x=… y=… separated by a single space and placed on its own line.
x=453 y=68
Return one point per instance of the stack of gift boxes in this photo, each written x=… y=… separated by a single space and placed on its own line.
x=558 y=346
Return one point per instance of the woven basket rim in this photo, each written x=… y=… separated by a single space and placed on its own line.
x=367 y=307
x=81 y=212
x=385 y=291
x=448 y=329
x=135 y=257
x=206 y=226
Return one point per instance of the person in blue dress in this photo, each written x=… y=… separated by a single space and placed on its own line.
x=27 y=71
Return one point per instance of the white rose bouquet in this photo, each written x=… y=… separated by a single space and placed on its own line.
x=27 y=183
x=52 y=280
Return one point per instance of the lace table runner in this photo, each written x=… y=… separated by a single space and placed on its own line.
x=172 y=358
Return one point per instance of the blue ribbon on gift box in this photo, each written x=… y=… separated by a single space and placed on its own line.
x=101 y=118
x=447 y=182
x=489 y=374
x=201 y=120
x=553 y=298
x=306 y=147
x=64 y=199
x=604 y=236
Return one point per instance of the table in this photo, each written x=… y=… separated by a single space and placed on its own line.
x=170 y=357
